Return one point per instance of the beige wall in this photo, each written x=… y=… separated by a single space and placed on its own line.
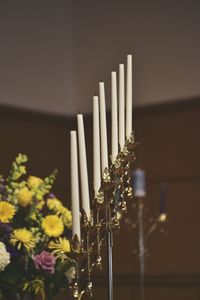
x=54 y=53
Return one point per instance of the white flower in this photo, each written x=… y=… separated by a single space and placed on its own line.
x=4 y=257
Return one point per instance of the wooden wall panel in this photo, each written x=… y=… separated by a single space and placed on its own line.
x=169 y=152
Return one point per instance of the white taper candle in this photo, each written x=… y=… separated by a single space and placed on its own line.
x=114 y=118
x=96 y=147
x=121 y=107
x=83 y=166
x=75 y=186
x=103 y=128
x=129 y=97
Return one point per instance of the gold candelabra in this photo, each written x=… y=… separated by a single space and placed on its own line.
x=108 y=207
x=140 y=213
x=144 y=225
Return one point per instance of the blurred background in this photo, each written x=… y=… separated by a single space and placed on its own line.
x=52 y=56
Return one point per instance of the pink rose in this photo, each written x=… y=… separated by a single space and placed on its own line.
x=45 y=261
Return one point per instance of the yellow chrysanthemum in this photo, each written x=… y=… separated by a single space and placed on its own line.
x=7 y=211
x=67 y=217
x=60 y=246
x=23 y=237
x=54 y=204
x=34 y=182
x=62 y=209
x=24 y=197
x=53 y=226
x=65 y=214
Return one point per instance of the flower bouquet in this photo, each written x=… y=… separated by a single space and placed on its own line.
x=35 y=229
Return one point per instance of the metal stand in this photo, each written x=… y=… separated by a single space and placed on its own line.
x=141 y=246
x=110 y=267
x=109 y=238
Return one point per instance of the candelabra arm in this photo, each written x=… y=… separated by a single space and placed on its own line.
x=80 y=295
x=150 y=231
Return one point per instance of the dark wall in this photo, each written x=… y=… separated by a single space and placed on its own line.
x=169 y=152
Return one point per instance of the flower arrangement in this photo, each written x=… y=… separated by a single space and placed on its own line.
x=34 y=235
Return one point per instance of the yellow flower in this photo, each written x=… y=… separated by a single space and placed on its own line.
x=34 y=182
x=53 y=226
x=39 y=194
x=23 y=237
x=40 y=204
x=67 y=217
x=65 y=214
x=33 y=216
x=7 y=211
x=24 y=197
x=54 y=204
x=19 y=172
x=60 y=246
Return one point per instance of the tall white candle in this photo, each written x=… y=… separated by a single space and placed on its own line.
x=96 y=147
x=121 y=107
x=103 y=128
x=129 y=97
x=75 y=186
x=83 y=166
x=114 y=118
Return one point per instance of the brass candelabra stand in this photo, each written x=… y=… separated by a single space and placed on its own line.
x=108 y=207
x=144 y=225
